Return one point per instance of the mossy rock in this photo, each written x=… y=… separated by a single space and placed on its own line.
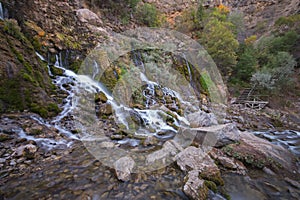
x=56 y=71
x=25 y=83
x=4 y=137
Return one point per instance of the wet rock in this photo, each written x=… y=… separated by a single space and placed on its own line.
x=56 y=71
x=100 y=97
x=4 y=137
x=193 y=158
x=124 y=167
x=150 y=140
x=195 y=187
x=202 y=119
x=169 y=150
x=229 y=163
x=260 y=153
x=293 y=183
x=87 y=16
x=27 y=151
x=106 y=109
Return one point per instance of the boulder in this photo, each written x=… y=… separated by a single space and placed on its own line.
x=194 y=187
x=217 y=136
x=193 y=158
x=123 y=168
x=87 y=16
x=201 y=119
x=27 y=151
x=260 y=153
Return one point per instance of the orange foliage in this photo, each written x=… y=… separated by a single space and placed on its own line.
x=223 y=9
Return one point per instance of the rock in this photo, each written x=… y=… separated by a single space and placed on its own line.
x=293 y=183
x=56 y=71
x=27 y=151
x=2 y=160
x=100 y=97
x=12 y=163
x=193 y=158
x=261 y=153
x=201 y=119
x=4 y=137
x=106 y=109
x=87 y=16
x=168 y=151
x=217 y=136
x=107 y=145
x=194 y=187
x=123 y=168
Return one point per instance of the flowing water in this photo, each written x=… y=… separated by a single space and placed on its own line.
x=1 y=12
x=77 y=174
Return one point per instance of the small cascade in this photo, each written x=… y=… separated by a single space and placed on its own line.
x=189 y=68
x=1 y=12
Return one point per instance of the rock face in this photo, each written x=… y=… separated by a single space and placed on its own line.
x=258 y=14
x=24 y=82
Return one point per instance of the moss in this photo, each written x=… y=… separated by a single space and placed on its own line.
x=214 y=177
x=4 y=137
x=52 y=107
x=211 y=185
x=42 y=111
x=68 y=41
x=27 y=77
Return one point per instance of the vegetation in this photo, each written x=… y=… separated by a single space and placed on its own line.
x=148 y=15
x=220 y=41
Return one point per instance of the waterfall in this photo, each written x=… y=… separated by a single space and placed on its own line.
x=1 y=12
x=188 y=67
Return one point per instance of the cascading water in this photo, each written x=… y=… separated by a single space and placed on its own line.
x=1 y=12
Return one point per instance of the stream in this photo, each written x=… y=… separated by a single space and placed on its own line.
x=67 y=170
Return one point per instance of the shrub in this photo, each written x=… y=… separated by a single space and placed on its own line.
x=148 y=15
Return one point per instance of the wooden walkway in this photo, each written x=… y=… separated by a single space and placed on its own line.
x=252 y=101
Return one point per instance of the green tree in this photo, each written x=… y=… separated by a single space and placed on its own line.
x=247 y=63
x=277 y=72
x=220 y=42
x=148 y=15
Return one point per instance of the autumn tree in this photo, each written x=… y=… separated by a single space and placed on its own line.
x=220 y=41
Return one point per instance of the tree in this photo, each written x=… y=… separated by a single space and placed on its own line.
x=277 y=72
x=220 y=42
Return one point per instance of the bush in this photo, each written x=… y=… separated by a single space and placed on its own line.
x=148 y=15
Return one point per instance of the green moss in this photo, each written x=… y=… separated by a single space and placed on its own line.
x=68 y=41
x=27 y=77
x=4 y=137
x=52 y=107
x=211 y=185
x=42 y=111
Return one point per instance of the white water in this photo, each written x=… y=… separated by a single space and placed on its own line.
x=152 y=119
x=188 y=67
x=1 y=12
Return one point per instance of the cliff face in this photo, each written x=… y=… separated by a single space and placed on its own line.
x=259 y=15
x=24 y=82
